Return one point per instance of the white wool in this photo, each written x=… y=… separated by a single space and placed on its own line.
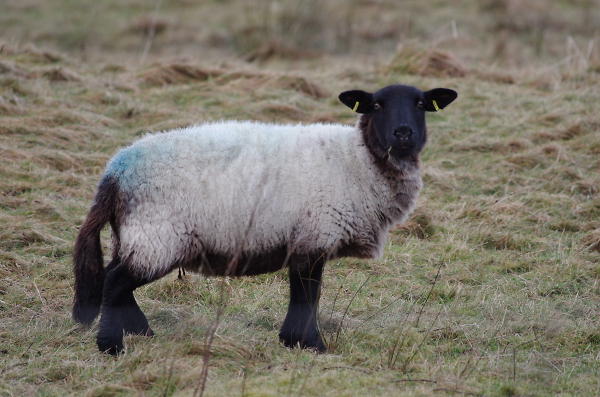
x=218 y=187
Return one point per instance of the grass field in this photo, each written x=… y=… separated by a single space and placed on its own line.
x=491 y=288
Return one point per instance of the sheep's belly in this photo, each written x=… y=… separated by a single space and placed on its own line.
x=155 y=244
x=249 y=264
x=211 y=264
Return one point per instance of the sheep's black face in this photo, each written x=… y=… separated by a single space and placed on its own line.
x=398 y=115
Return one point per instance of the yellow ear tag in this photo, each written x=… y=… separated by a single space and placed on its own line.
x=355 y=107
x=435 y=105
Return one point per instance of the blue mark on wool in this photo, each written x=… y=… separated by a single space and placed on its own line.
x=123 y=166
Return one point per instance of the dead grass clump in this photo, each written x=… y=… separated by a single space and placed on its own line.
x=565 y=225
x=60 y=118
x=53 y=73
x=283 y=112
x=528 y=160
x=21 y=235
x=572 y=131
x=43 y=55
x=9 y=68
x=544 y=136
x=481 y=146
x=498 y=146
x=8 y=109
x=255 y=80
x=516 y=267
x=552 y=118
x=148 y=24
x=554 y=150
x=274 y=48
x=592 y=240
x=419 y=225
x=228 y=77
x=428 y=62
x=15 y=85
x=543 y=82
x=58 y=74
x=517 y=145
x=503 y=207
x=589 y=186
x=504 y=241
x=143 y=380
x=249 y=80
x=301 y=84
x=110 y=390
x=60 y=160
x=496 y=77
x=32 y=53
x=578 y=128
x=470 y=210
x=177 y=74
x=10 y=262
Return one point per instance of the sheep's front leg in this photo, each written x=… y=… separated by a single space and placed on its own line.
x=300 y=325
x=120 y=312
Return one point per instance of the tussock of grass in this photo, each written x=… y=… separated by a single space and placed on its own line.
x=177 y=73
x=427 y=62
x=246 y=80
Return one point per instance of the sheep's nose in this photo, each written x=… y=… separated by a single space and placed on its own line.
x=403 y=131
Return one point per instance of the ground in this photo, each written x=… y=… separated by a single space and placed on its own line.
x=490 y=288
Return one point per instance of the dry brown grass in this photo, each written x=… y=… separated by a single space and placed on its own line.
x=249 y=80
x=430 y=62
x=490 y=288
x=177 y=74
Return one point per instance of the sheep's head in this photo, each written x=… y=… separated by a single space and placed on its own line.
x=397 y=115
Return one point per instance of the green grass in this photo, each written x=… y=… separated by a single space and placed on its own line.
x=490 y=288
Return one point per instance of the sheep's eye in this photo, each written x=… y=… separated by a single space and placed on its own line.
x=376 y=106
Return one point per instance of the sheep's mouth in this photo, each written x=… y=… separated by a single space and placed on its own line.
x=401 y=150
x=403 y=144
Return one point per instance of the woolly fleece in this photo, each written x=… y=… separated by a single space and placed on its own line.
x=218 y=188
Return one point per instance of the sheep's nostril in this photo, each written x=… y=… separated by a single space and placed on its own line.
x=402 y=132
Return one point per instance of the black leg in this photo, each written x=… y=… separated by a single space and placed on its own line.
x=120 y=312
x=300 y=325
x=135 y=321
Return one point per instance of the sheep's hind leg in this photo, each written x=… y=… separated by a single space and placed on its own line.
x=120 y=312
x=300 y=325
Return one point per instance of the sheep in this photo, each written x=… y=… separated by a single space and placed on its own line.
x=241 y=198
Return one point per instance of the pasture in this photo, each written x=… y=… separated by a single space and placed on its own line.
x=491 y=288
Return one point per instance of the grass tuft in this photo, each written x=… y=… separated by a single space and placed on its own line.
x=428 y=62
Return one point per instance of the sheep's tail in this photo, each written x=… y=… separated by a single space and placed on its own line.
x=88 y=262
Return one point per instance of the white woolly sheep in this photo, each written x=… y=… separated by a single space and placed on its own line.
x=247 y=198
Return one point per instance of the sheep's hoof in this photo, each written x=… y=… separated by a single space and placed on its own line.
x=146 y=331
x=309 y=343
x=317 y=346
x=110 y=346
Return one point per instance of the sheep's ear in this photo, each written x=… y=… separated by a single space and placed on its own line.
x=357 y=100
x=439 y=98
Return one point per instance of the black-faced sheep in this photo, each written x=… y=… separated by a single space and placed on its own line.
x=246 y=198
